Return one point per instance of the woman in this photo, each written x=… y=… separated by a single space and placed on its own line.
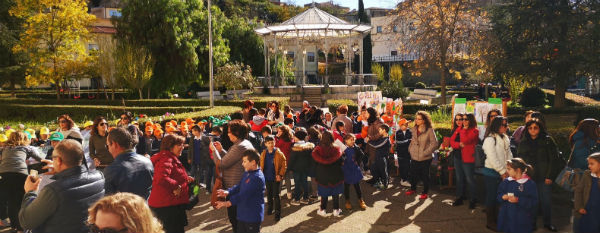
x=329 y=173
x=230 y=161
x=582 y=139
x=496 y=147
x=464 y=165
x=515 y=139
x=284 y=142
x=68 y=129
x=539 y=149
x=248 y=105
x=421 y=150
x=13 y=170
x=275 y=116
x=488 y=120
x=316 y=118
x=122 y=212
x=169 y=195
x=98 y=150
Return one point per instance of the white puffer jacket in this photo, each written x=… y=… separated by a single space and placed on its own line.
x=497 y=152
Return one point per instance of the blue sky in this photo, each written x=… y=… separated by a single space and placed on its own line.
x=353 y=4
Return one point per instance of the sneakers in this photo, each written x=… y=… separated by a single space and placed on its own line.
x=277 y=217
x=423 y=196
x=337 y=212
x=410 y=192
x=348 y=205
x=321 y=213
x=304 y=201
x=457 y=202
x=289 y=196
x=405 y=183
x=472 y=205
x=362 y=204
x=294 y=202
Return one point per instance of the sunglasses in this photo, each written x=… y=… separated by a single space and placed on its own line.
x=63 y=121
x=102 y=124
x=533 y=127
x=124 y=118
x=95 y=229
x=460 y=119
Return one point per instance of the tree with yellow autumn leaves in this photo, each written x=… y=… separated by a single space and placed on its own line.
x=54 y=36
x=442 y=32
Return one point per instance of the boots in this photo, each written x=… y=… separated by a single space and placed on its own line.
x=492 y=217
x=348 y=205
x=362 y=204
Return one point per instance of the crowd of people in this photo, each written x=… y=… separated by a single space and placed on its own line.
x=143 y=177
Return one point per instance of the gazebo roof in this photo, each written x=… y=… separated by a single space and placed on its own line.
x=313 y=22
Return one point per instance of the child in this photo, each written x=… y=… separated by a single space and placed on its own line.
x=300 y=162
x=258 y=121
x=379 y=166
x=158 y=136
x=55 y=138
x=290 y=123
x=403 y=138
x=329 y=173
x=587 y=198
x=517 y=196
x=216 y=132
x=284 y=142
x=265 y=131
x=198 y=156
x=248 y=195
x=339 y=132
x=273 y=166
x=352 y=174
x=43 y=140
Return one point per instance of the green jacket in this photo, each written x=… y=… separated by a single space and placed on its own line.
x=582 y=192
x=542 y=155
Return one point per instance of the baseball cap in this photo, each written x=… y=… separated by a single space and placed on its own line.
x=88 y=123
x=44 y=130
x=57 y=136
x=31 y=133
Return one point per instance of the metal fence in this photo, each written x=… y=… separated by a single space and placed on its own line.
x=350 y=80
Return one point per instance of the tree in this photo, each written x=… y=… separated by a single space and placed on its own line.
x=166 y=29
x=367 y=46
x=12 y=65
x=134 y=65
x=107 y=65
x=220 y=44
x=548 y=39
x=235 y=76
x=443 y=32
x=244 y=44
x=53 y=32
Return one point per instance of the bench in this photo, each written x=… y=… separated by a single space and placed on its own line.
x=206 y=95
x=423 y=94
x=241 y=94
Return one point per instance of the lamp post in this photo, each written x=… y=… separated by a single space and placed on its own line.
x=303 y=67
x=283 y=63
x=210 y=59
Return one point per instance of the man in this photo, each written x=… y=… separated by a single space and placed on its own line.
x=342 y=115
x=62 y=205
x=130 y=172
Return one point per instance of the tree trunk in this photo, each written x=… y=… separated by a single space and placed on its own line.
x=559 y=95
x=148 y=97
x=57 y=90
x=443 y=81
x=113 y=93
x=13 y=92
x=140 y=92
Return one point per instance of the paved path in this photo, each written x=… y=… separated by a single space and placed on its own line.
x=388 y=211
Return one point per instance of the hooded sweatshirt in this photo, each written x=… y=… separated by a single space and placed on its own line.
x=258 y=122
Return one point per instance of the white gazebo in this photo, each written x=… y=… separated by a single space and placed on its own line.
x=313 y=28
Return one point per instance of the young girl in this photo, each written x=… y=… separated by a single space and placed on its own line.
x=329 y=174
x=517 y=196
x=352 y=173
x=587 y=197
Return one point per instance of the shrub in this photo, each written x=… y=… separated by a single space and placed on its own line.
x=393 y=89
x=407 y=109
x=533 y=97
x=420 y=85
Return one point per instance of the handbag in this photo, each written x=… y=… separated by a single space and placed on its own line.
x=568 y=177
x=193 y=196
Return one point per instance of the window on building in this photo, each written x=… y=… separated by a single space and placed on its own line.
x=395 y=29
x=394 y=53
x=114 y=13
x=93 y=47
x=310 y=57
x=379 y=29
x=290 y=54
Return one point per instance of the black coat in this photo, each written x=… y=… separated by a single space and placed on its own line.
x=542 y=154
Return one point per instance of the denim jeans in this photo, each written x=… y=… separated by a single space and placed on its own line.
x=209 y=174
x=198 y=173
x=301 y=181
x=273 y=199
x=545 y=203
x=465 y=173
x=491 y=190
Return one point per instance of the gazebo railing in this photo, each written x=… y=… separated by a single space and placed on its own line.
x=339 y=79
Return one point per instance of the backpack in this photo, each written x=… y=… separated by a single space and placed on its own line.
x=480 y=155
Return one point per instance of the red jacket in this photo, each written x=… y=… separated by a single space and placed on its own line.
x=469 y=137
x=169 y=173
x=286 y=148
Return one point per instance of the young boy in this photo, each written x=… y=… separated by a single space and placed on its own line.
x=216 y=132
x=273 y=165
x=248 y=195
x=379 y=167
x=265 y=131
x=403 y=138
x=43 y=141
x=55 y=138
x=198 y=155
x=258 y=121
x=300 y=162
x=290 y=123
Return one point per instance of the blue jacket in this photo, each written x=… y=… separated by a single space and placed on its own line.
x=517 y=217
x=62 y=206
x=130 y=172
x=249 y=197
x=352 y=158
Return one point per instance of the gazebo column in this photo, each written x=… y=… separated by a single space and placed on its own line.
x=266 y=54
x=362 y=77
x=326 y=82
x=276 y=64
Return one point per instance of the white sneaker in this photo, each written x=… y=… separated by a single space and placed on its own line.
x=337 y=212
x=322 y=213
x=294 y=202
x=405 y=183
x=289 y=196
